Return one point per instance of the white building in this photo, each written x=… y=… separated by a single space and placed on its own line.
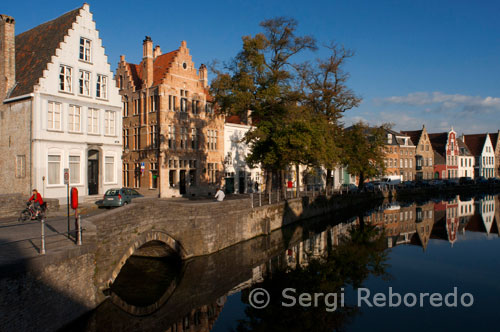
x=486 y=207
x=482 y=149
x=65 y=87
x=466 y=160
x=239 y=177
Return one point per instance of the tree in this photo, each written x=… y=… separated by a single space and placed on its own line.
x=363 y=151
x=325 y=92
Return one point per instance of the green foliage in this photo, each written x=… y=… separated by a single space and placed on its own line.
x=363 y=151
x=295 y=107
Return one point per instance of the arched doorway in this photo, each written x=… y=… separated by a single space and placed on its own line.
x=93 y=172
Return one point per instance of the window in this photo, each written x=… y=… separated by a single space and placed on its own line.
x=411 y=163
x=101 y=87
x=183 y=105
x=110 y=169
x=184 y=138
x=125 y=175
x=212 y=173
x=137 y=175
x=171 y=137
x=54 y=169
x=109 y=123
x=125 y=107
x=84 y=83
x=93 y=121
x=212 y=140
x=154 y=175
x=209 y=108
x=195 y=106
x=171 y=178
x=20 y=166
x=54 y=116
x=194 y=138
x=85 y=47
x=125 y=139
x=74 y=169
x=400 y=163
x=74 y=116
x=137 y=139
x=136 y=106
x=153 y=136
x=65 y=80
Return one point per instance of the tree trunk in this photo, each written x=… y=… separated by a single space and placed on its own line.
x=269 y=180
x=361 y=181
x=329 y=179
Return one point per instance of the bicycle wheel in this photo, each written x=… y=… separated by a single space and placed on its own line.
x=25 y=215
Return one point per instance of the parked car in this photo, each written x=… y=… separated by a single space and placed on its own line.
x=407 y=184
x=450 y=182
x=422 y=184
x=465 y=180
x=349 y=188
x=436 y=183
x=494 y=181
x=118 y=197
x=481 y=180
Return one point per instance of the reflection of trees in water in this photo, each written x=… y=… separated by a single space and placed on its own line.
x=350 y=263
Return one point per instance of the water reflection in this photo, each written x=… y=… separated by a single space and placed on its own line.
x=323 y=255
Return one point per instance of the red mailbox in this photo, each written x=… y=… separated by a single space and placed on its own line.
x=74 y=198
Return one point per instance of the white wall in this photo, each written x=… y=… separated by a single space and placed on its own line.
x=62 y=141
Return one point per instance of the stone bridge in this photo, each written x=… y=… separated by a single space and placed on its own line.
x=74 y=282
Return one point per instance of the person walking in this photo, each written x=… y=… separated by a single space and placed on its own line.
x=219 y=195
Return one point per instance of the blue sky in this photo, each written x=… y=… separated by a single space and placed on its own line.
x=416 y=62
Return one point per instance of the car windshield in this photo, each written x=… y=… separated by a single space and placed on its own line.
x=112 y=192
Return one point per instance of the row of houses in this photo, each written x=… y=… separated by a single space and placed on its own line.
x=152 y=125
x=419 y=155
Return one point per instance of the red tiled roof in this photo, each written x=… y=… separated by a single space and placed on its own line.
x=475 y=143
x=161 y=66
x=35 y=48
x=438 y=142
x=233 y=119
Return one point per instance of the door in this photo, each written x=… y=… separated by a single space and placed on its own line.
x=229 y=185
x=93 y=172
x=241 y=184
x=182 y=182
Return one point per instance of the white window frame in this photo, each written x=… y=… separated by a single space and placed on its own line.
x=79 y=168
x=113 y=167
x=59 y=177
x=73 y=115
x=93 y=121
x=54 y=115
x=101 y=90
x=65 y=78
x=85 y=52
x=84 y=83
x=110 y=123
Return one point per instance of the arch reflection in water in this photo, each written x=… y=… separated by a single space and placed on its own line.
x=147 y=279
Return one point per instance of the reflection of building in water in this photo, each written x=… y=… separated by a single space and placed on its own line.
x=497 y=214
x=466 y=210
x=452 y=221
x=486 y=207
x=424 y=224
x=397 y=221
x=445 y=221
x=201 y=319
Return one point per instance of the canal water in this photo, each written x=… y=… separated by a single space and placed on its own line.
x=431 y=265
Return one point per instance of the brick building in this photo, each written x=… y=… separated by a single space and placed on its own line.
x=399 y=155
x=59 y=108
x=424 y=154
x=173 y=140
x=446 y=159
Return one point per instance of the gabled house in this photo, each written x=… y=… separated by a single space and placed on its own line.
x=466 y=160
x=481 y=148
x=399 y=155
x=495 y=141
x=424 y=156
x=446 y=146
x=59 y=108
x=173 y=138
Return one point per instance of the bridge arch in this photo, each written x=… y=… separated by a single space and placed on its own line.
x=142 y=239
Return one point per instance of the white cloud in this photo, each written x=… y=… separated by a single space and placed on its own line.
x=441 y=102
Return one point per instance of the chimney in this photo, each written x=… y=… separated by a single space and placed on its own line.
x=147 y=60
x=157 y=51
x=7 y=55
x=122 y=58
x=203 y=75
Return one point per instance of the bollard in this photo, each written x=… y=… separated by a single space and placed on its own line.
x=42 y=249
x=270 y=193
x=278 y=196
x=78 y=231
x=260 y=198
x=251 y=200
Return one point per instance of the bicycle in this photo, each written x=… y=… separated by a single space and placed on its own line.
x=29 y=213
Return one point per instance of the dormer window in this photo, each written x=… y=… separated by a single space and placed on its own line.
x=389 y=138
x=85 y=49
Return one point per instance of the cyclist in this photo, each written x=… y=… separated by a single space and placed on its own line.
x=37 y=200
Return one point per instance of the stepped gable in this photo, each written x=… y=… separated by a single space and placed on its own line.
x=161 y=66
